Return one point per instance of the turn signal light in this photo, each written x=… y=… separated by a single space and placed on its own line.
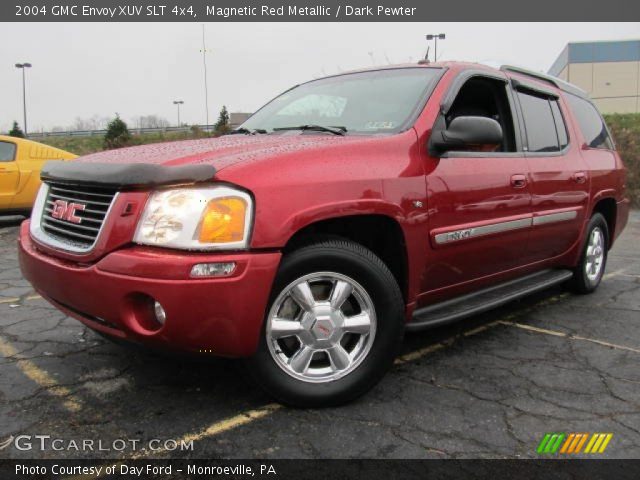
x=223 y=220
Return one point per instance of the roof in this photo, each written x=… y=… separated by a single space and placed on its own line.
x=509 y=70
x=597 y=52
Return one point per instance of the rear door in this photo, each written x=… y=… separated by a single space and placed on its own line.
x=9 y=173
x=559 y=177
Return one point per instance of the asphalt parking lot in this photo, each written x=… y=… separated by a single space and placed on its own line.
x=489 y=387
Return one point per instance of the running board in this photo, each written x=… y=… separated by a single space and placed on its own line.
x=486 y=299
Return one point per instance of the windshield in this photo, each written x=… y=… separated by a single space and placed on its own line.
x=381 y=101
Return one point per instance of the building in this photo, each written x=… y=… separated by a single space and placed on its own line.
x=609 y=71
x=238 y=118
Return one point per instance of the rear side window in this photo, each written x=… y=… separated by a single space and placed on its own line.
x=7 y=151
x=591 y=124
x=539 y=123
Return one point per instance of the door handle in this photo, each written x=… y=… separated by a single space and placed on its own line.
x=518 y=180
x=579 y=177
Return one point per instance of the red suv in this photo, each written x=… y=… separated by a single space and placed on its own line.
x=343 y=212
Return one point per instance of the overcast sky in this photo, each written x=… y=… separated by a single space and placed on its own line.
x=86 y=69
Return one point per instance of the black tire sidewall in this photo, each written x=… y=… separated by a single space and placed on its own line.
x=582 y=283
x=362 y=266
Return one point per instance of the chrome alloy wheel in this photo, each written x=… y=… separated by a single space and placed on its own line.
x=595 y=254
x=321 y=327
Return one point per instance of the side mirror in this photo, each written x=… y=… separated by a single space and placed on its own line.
x=467 y=132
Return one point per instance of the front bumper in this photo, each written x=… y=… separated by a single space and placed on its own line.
x=221 y=316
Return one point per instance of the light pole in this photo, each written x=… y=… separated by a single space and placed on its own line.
x=435 y=37
x=178 y=103
x=206 y=90
x=24 y=66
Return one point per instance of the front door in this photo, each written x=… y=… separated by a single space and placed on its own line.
x=480 y=200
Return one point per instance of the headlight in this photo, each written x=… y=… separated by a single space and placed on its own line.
x=210 y=218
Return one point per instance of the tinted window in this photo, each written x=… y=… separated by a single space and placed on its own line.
x=591 y=124
x=561 y=128
x=539 y=123
x=7 y=152
x=366 y=102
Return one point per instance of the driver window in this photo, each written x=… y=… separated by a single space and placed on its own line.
x=486 y=97
x=7 y=151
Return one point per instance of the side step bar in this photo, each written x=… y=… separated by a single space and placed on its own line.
x=486 y=299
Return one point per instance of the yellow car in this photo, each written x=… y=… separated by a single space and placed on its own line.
x=20 y=164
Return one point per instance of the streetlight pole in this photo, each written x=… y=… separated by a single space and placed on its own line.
x=435 y=37
x=24 y=66
x=178 y=103
x=204 y=63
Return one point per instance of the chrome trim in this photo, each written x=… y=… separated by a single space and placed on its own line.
x=555 y=217
x=38 y=234
x=473 y=232
x=465 y=233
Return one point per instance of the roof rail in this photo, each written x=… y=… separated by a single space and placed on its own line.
x=555 y=81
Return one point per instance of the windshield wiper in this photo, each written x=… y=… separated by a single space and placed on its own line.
x=317 y=128
x=246 y=131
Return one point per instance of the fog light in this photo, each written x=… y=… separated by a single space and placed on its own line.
x=161 y=315
x=219 y=269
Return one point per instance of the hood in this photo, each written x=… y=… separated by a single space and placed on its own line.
x=220 y=152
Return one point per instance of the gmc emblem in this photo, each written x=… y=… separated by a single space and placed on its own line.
x=66 y=211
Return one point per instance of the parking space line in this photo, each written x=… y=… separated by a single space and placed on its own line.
x=250 y=416
x=422 y=352
x=261 y=412
x=570 y=336
x=9 y=300
x=42 y=378
x=615 y=273
x=225 y=425
x=212 y=430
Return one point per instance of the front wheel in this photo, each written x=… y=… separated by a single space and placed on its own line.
x=333 y=328
x=588 y=273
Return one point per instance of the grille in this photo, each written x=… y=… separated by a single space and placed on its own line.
x=82 y=235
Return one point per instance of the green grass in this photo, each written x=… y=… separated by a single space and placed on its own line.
x=625 y=128
x=91 y=144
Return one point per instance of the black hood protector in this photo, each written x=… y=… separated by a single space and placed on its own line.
x=125 y=176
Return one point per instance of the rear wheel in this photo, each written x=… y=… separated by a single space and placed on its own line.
x=333 y=327
x=588 y=273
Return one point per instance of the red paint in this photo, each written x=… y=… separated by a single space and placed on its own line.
x=297 y=180
x=223 y=315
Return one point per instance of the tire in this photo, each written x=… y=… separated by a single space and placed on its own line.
x=589 y=271
x=327 y=291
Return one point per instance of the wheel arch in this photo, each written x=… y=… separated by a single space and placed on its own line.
x=607 y=207
x=380 y=233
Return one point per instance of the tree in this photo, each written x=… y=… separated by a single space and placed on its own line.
x=96 y=122
x=16 y=131
x=117 y=135
x=222 y=125
x=150 y=121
